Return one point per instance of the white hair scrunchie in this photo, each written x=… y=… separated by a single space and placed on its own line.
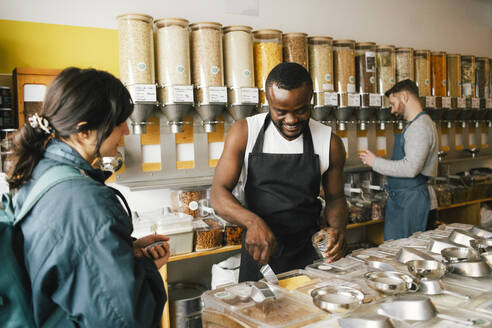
x=37 y=121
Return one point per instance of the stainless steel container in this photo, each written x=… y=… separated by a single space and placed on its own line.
x=185 y=304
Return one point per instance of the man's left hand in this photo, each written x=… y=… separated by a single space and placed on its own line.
x=367 y=157
x=336 y=246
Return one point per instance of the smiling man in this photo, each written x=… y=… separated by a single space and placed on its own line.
x=282 y=165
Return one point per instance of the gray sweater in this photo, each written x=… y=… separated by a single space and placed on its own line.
x=421 y=147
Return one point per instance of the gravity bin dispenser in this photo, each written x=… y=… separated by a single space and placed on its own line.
x=344 y=67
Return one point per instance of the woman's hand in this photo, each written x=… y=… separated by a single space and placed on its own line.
x=158 y=252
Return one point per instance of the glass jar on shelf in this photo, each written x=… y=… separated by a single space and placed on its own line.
x=295 y=48
x=320 y=49
x=208 y=234
x=454 y=75
x=344 y=66
x=267 y=53
x=404 y=64
x=423 y=72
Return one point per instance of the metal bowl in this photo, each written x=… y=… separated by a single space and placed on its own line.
x=337 y=299
x=426 y=269
x=390 y=282
x=481 y=245
x=438 y=244
x=365 y=320
x=406 y=254
x=475 y=269
x=462 y=237
x=410 y=307
x=459 y=254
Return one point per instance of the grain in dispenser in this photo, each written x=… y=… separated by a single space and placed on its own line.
x=207 y=72
x=386 y=70
x=468 y=87
x=405 y=64
x=365 y=68
x=453 y=64
x=423 y=72
x=295 y=48
x=438 y=83
x=175 y=92
x=136 y=53
x=344 y=67
x=320 y=49
x=267 y=53
x=481 y=85
x=239 y=71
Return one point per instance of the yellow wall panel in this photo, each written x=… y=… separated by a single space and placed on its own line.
x=153 y=135
x=218 y=135
x=151 y=167
x=40 y=45
x=213 y=162
x=112 y=178
x=185 y=165
x=187 y=135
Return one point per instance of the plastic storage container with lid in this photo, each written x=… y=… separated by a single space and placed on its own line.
x=267 y=53
x=232 y=234
x=232 y=306
x=136 y=49
x=320 y=50
x=295 y=48
x=386 y=67
x=482 y=77
x=438 y=69
x=187 y=201
x=178 y=226
x=454 y=75
x=365 y=67
x=468 y=76
x=208 y=234
x=344 y=65
x=423 y=72
x=404 y=64
x=206 y=59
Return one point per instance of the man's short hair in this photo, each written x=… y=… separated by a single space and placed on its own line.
x=405 y=85
x=288 y=76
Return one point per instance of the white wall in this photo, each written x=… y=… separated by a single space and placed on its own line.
x=456 y=26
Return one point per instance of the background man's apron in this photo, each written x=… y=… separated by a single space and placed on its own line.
x=282 y=189
x=408 y=202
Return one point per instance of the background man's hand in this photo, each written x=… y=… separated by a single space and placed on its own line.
x=367 y=157
x=260 y=241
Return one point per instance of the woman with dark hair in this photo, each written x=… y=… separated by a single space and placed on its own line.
x=75 y=242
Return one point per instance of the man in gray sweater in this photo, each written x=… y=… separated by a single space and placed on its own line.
x=413 y=161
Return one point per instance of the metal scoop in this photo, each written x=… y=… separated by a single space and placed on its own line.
x=268 y=274
x=374 y=265
x=434 y=287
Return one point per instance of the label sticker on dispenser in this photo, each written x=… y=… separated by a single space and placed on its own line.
x=370 y=61
x=327 y=86
x=374 y=100
x=489 y=103
x=354 y=100
x=214 y=70
x=141 y=66
x=331 y=99
x=328 y=77
x=467 y=89
x=183 y=93
x=249 y=95
x=218 y=94
x=461 y=102
x=475 y=103
x=143 y=92
x=446 y=102
x=430 y=102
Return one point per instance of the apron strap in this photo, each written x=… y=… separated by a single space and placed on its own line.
x=307 y=139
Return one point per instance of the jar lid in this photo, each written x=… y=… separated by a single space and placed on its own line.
x=242 y=28
x=163 y=22
x=199 y=25
x=365 y=44
x=386 y=47
x=267 y=34
x=404 y=49
x=294 y=34
x=142 y=17
x=319 y=38
x=342 y=42
x=422 y=52
x=438 y=53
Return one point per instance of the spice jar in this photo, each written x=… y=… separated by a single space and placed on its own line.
x=454 y=75
x=206 y=58
x=173 y=51
x=468 y=76
x=365 y=67
x=186 y=201
x=267 y=53
x=482 y=77
x=404 y=64
x=438 y=69
x=423 y=72
x=136 y=49
x=344 y=65
x=320 y=50
x=386 y=67
x=238 y=60
x=295 y=49
x=208 y=234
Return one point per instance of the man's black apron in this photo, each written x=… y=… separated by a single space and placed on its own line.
x=282 y=189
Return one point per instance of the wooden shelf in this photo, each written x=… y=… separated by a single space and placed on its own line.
x=465 y=203
x=357 y=225
x=204 y=253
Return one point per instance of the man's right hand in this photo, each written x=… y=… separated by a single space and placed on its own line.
x=260 y=241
